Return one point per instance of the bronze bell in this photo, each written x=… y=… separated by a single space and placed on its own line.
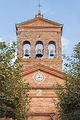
x=51 y=53
x=39 y=52
x=26 y=52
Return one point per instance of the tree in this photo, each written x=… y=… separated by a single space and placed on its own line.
x=13 y=96
x=69 y=95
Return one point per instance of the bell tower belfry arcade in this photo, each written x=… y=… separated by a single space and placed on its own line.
x=39 y=47
x=39 y=40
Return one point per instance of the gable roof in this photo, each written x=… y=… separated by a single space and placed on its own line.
x=43 y=68
x=27 y=23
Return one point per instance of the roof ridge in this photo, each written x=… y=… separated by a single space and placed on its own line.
x=39 y=18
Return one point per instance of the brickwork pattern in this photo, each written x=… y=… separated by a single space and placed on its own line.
x=45 y=102
x=40 y=29
x=55 y=63
x=45 y=38
x=44 y=98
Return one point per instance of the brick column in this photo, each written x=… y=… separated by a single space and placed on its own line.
x=60 y=46
x=19 y=48
x=46 y=50
x=33 y=50
x=57 y=50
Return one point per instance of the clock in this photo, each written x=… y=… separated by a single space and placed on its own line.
x=39 y=77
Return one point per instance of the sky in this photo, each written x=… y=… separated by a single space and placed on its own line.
x=66 y=12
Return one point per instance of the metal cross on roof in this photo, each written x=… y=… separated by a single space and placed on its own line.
x=39 y=11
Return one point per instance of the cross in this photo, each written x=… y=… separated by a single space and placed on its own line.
x=39 y=7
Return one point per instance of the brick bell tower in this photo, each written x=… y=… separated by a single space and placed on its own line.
x=39 y=46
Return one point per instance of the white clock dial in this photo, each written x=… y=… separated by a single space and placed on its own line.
x=39 y=77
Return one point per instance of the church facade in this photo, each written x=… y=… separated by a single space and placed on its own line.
x=39 y=46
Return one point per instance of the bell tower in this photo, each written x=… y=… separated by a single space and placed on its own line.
x=39 y=41
x=39 y=47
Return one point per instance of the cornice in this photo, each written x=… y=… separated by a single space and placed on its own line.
x=44 y=26
x=42 y=114
x=25 y=25
x=43 y=68
x=42 y=19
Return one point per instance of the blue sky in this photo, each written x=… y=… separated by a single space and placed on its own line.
x=66 y=12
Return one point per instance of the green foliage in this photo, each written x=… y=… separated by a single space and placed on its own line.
x=69 y=95
x=14 y=101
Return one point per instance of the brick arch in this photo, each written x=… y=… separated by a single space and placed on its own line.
x=26 y=42
x=39 y=42
x=52 y=44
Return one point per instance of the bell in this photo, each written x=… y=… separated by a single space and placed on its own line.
x=26 y=52
x=51 y=53
x=39 y=52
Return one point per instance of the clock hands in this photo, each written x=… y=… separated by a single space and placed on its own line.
x=39 y=77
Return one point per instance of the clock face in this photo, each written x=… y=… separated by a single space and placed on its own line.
x=39 y=77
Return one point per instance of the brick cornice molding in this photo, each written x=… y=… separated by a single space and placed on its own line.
x=42 y=19
x=43 y=68
x=42 y=114
x=25 y=25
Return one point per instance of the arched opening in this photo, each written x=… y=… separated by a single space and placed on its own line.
x=51 y=50
x=39 y=50
x=26 y=50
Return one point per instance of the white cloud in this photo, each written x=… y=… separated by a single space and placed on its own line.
x=1 y=40
x=65 y=43
x=13 y=60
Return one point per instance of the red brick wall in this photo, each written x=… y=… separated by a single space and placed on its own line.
x=54 y=63
x=42 y=104
x=45 y=102
x=39 y=30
